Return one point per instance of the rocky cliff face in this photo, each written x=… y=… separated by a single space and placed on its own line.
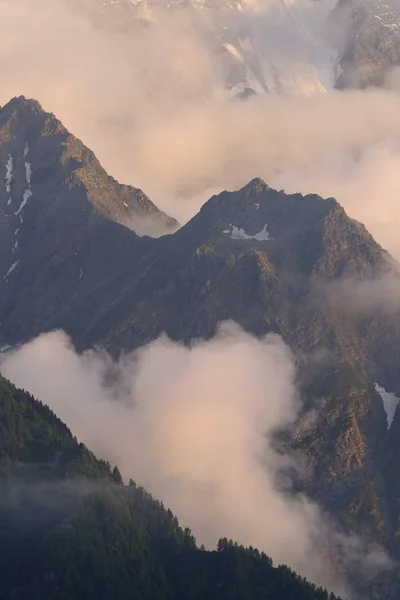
x=59 y=212
x=367 y=35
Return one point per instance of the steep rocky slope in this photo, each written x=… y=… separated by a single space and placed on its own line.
x=367 y=35
x=57 y=207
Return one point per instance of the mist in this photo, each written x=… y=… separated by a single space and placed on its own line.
x=153 y=106
x=195 y=426
x=362 y=296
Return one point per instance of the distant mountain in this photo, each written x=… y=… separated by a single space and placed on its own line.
x=71 y=530
x=286 y=48
x=247 y=46
x=367 y=36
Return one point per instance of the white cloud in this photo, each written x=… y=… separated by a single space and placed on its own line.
x=195 y=427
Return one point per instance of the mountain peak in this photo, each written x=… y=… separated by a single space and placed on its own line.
x=31 y=136
x=255 y=186
x=21 y=102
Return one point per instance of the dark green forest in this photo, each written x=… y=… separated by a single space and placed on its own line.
x=71 y=530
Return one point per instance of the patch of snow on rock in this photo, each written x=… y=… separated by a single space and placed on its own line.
x=11 y=269
x=390 y=402
x=9 y=174
x=28 y=172
x=237 y=233
x=25 y=197
x=26 y=150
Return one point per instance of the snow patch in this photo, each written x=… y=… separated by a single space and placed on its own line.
x=81 y=273
x=11 y=269
x=257 y=205
x=237 y=233
x=390 y=402
x=26 y=150
x=28 y=172
x=9 y=175
x=25 y=197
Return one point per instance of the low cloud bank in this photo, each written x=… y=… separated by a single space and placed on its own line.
x=362 y=296
x=195 y=427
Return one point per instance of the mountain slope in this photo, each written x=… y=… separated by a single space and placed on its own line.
x=57 y=205
x=70 y=530
x=259 y=257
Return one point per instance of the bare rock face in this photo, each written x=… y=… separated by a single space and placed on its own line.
x=59 y=212
x=367 y=35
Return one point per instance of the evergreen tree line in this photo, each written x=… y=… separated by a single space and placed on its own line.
x=71 y=530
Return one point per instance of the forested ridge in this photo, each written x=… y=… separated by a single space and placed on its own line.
x=71 y=530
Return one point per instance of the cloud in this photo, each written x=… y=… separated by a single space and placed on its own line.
x=152 y=106
x=362 y=296
x=196 y=427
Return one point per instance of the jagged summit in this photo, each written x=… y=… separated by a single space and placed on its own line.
x=259 y=213
x=20 y=101
x=256 y=185
x=18 y=104
x=26 y=127
x=57 y=205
